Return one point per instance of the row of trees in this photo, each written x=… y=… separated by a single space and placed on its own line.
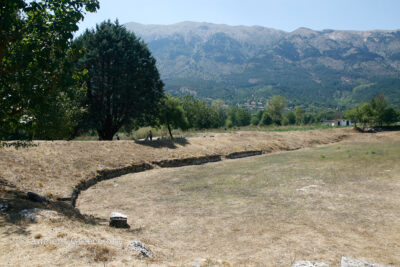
x=376 y=112
x=54 y=87
x=187 y=112
x=197 y=114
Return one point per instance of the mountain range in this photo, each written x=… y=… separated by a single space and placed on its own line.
x=242 y=64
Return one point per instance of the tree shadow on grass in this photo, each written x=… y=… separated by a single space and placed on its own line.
x=11 y=219
x=13 y=222
x=162 y=143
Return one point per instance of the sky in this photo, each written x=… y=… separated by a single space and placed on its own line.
x=285 y=15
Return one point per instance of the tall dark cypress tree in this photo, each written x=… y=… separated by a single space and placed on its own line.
x=123 y=84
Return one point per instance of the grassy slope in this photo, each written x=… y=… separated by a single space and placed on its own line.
x=54 y=168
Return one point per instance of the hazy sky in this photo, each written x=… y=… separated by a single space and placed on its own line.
x=286 y=15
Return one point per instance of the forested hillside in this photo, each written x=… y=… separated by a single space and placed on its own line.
x=243 y=64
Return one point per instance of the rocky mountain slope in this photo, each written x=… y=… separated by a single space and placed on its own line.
x=241 y=63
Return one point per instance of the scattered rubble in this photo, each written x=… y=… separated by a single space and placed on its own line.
x=309 y=264
x=35 y=214
x=3 y=207
x=30 y=214
x=141 y=248
x=198 y=262
x=348 y=262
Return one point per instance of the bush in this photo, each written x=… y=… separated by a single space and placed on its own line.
x=254 y=120
x=228 y=123
x=266 y=119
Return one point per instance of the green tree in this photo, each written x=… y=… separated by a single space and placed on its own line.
x=221 y=109
x=299 y=114
x=366 y=114
x=228 y=123
x=285 y=121
x=199 y=114
x=239 y=116
x=123 y=84
x=291 y=118
x=353 y=115
x=382 y=112
x=389 y=115
x=359 y=114
x=310 y=118
x=259 y=114
x=172 y=114
x=266 y=119
x=38 y=80
x=254 y=120
x=378 y=105
x=376 y=112
x=275 y=108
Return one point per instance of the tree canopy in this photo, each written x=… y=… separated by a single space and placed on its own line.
x=200 y=115
x=172 y=114
x=275 y=108
x=123 y=82
x=376 y=112
x=238 y=117
x=38 y=81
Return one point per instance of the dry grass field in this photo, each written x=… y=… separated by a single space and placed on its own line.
x=338 y=195
x=313 y=204
x=54 y=168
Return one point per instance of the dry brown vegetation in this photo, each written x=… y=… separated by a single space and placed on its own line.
x=313 y=204
x=54 y=168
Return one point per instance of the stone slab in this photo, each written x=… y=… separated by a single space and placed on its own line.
x=348 y=262
x=309 y=264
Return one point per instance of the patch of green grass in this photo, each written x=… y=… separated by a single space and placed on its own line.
x=296 y=128
x=283 y=173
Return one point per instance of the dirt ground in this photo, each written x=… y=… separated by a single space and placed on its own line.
x=210 y=215
x=53 y=168
x=315 y=204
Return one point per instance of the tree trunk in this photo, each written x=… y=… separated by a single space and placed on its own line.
x=106 y=134
x=169 y=130
x=107 y=129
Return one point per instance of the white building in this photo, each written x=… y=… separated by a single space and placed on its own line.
x=338 y=122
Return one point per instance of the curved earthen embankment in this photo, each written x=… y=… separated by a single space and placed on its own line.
x=170 y=163
x=106 y=175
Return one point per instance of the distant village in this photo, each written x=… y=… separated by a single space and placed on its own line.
x=253 y=105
